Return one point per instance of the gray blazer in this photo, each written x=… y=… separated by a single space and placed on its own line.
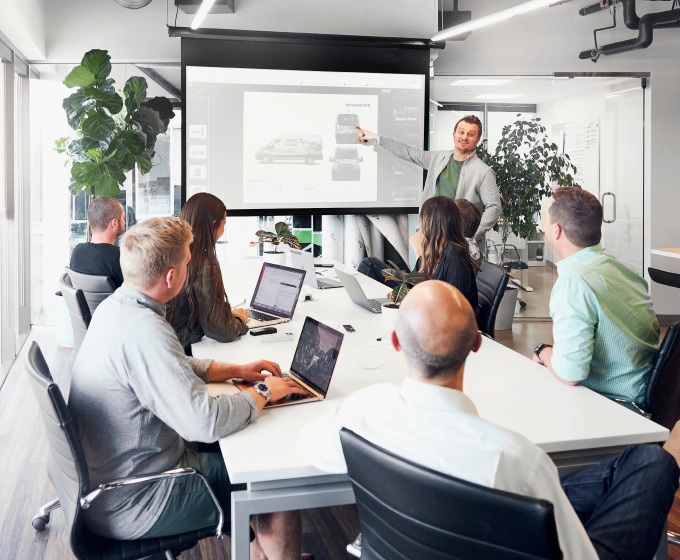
x=476 y=183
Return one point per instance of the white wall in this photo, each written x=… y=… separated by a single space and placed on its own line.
x=550 y=40
x=141 y=35
x=23 y=22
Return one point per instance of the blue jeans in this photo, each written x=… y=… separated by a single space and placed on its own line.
x=623 y=502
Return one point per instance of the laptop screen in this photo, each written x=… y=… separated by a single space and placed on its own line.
x=277 y=290
x=316 y=354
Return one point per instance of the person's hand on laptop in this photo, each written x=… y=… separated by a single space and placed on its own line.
x=282 y=388
x=242 y=313
x=252 y=372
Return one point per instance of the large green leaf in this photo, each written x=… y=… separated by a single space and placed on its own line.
x=133 y=141
x=86 y=173
x=74 y=187
x=146 y=116
x=99 y=63
x=79 y=77
x=281 y=229
x=98 y=125
x=163 y=107
x=75 y=119
x=90 y=144
x=109 y=100
x=144 y=163
x=74 y=101
x=399 y=293
x=107 y=185
x=135 y=92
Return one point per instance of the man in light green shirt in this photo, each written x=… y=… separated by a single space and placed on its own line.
x=606 y=333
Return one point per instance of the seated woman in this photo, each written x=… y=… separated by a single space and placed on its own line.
x=202 y=307
x=441 y=249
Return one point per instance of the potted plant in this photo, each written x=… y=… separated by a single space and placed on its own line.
x=109 y=141
x=281 y=234
x=526 y=165
x=403 y=278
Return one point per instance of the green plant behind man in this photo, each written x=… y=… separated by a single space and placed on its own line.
x=526 y=166
x=108 y=140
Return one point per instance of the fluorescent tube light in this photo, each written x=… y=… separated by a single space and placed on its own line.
x=502 y=15
x=202 y=11
x=480 y=82
x=499 y=96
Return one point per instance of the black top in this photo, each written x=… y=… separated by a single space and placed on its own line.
x=99 y=259
x=456 y=269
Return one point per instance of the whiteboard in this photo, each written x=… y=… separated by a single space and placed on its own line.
x=581 y=142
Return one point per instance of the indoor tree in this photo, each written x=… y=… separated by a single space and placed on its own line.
x=114 y=130
x=526 y=165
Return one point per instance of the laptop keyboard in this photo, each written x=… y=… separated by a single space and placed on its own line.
x=296 y=397
x=375 y=304
x=259 y=316
x=323 y=284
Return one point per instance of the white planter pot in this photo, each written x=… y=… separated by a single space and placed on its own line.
x=389 y=317
x=274 y=258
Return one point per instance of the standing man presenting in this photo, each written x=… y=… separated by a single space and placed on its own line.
x=456 y=173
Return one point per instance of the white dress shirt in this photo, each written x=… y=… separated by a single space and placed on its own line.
x=439 y=428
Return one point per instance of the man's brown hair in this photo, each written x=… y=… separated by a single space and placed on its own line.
x=470 y=119
x=470 y=215
x=102 y=210
x=579 y=213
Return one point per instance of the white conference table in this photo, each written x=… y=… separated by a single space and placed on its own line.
x=576 y=426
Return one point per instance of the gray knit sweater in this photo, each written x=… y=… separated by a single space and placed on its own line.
x=135 y=396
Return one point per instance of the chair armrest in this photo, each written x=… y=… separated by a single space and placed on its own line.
x=636 y=406
x=86 y=501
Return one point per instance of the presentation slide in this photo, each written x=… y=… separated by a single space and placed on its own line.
x=282 y=139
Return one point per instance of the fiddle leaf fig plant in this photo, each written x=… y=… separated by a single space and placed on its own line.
x=526 y=166
x=282 y=234
x=114 y=130
x=404 y=279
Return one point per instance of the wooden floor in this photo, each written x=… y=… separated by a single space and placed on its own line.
x=24 y=486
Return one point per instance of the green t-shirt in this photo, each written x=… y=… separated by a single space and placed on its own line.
x=448 y=179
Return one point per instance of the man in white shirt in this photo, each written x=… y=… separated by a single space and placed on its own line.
x=615 y=509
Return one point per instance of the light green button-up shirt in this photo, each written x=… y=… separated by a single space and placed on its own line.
x=606 y=333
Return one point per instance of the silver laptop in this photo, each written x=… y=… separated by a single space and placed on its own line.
x=305 y=261
x=276 y=295
x=313 y=363
x=357 y=295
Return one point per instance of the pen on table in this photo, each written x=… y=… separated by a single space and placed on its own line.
x=238 y=305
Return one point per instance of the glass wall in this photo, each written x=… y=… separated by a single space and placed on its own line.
x=596 y=121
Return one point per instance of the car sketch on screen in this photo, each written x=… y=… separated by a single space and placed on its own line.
x=346 y=128
x=346 y=165
x=291 y=148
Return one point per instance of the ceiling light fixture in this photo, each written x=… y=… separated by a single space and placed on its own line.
x=480 y=82
x=502 y=15
x=201 y=13
x=499 y=96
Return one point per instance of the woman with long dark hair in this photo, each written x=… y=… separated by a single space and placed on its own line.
x=441 y=249
x=202 y=307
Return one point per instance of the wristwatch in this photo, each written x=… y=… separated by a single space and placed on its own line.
x=263 y=390
x=540 y=349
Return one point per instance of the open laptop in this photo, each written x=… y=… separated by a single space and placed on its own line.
x=304 y=260
x=313 y=363
x=275 y=296
x=357 y=295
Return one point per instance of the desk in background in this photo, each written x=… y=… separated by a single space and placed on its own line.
x=576 y=426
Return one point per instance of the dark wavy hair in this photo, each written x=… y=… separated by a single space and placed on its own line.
x=204 y=212
x=440 y=224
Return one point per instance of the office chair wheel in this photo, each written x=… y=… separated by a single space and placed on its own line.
x=40 y=522
x=522 y=303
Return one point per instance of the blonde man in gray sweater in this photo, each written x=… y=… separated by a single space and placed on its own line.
x=136 y=398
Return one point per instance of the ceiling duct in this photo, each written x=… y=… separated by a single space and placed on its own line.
x=133 y=4
x=645 y=24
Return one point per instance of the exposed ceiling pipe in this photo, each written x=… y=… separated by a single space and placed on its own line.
x=647 y=24
x=630 y=16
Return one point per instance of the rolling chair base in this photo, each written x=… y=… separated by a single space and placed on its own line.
x=42 y=518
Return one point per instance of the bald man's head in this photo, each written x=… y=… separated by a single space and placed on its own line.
x=436 y=329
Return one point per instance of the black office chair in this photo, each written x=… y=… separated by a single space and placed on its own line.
x=666 y=278
x=67 y=470
x=79 y=313
x=95 y=288
x=491 y=283
x=407 y=511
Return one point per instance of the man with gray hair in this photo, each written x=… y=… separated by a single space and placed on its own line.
x=136 y=398
x=100 y=256
x=614 y=509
